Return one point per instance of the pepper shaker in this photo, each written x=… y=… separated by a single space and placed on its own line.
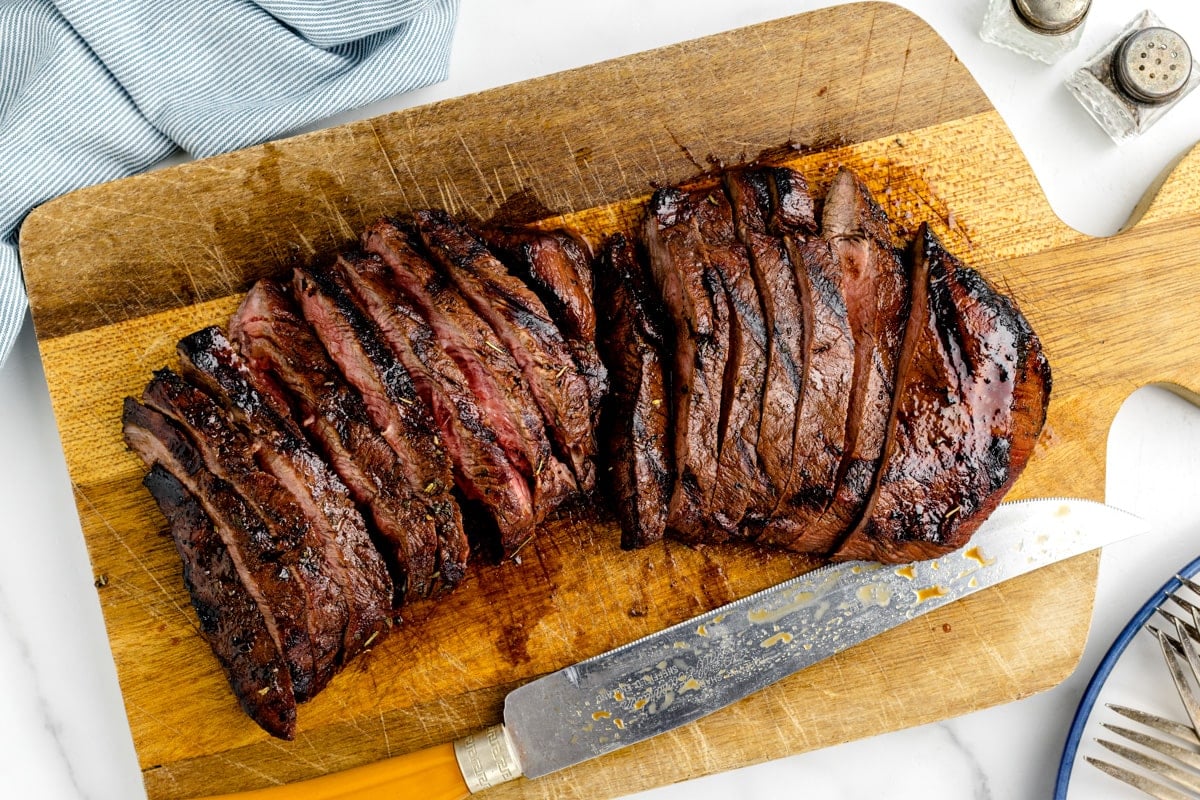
x=1135 y=78
x=1042 y=29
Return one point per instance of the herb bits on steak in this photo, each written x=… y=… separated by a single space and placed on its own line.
x=829 y=389
x=747 y=364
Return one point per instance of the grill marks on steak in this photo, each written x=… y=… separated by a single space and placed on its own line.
x=876 y=289
x=281 y=347
x=694 y=297
x=489 y=371
x=279 y=448
x=495 y=453
x=396 y=410
x=784 y=324
x=522 y=324
x=633 y=339
x=230 y=620
x=972 y=399
x=264 y=562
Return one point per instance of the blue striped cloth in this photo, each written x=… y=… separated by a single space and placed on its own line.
x=92 y=90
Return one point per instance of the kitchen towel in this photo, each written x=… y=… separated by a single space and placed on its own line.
x=92 y=90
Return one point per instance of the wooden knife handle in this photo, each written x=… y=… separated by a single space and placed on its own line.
x=443 y=772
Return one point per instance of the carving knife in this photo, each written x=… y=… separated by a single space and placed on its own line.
x=682 y=673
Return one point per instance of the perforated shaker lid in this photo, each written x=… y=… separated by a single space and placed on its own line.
x=1152 y=65
x=1052 y=16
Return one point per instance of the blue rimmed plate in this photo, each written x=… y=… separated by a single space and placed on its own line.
x=1132 y=673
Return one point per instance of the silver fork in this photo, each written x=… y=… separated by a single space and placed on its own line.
x=1182 y=657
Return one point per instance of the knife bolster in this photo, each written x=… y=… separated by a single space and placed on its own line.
x=487 y=758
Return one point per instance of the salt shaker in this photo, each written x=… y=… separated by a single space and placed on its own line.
x=1042 y=29
x=1136 y=78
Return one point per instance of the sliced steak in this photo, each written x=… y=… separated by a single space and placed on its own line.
x=230 y=620
x=281 y=347
x=636 y=431
x=489 y=372
x=819 y=441
x=265 y=564
x=972 y=398
x=792 y=211
x=490 y=369
x=356 y=566
x=875 y=285
x=742 y=487
x=785 y=335
x=490 y=449
x=401 y=418
x=522 y=324
x=557 y=266
x=694 y=297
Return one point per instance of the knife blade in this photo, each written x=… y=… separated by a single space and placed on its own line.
x=684 y=672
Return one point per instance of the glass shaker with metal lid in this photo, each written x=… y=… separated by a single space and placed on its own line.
x=1042 y=29
x=1136 y=78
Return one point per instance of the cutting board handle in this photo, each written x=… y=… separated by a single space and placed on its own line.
x=431 y=774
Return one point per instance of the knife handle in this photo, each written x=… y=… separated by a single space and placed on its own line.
x=443 y=772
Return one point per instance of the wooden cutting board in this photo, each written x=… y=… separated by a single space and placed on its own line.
x=117 y=273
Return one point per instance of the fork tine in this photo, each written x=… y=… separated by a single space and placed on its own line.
x=1190 y=703
x=1178 y=752
x=1140 y=782
x=1186 y=605
x=1161 y=724
x=1175 y=620
x=1189 y=583
x=1155 y=765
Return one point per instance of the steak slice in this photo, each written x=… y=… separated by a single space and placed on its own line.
x=490 y=368
x=693 y=295
x=488 y=447
x=401 y=418
x=826 y=353
x=785 y=335
x=557 y=266
x=972 y=398
x=742 y=487
x=230 y=619
x=280 y=347
x=876 y=289
x=633 y=341
x=355 y=565
x=264 y=563
x=406 y=278
x=792 y=209
x=522 y=324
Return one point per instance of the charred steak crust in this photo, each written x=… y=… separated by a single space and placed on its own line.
x=402 y=419
x=635 y=428
x=280 y=345
x=230 y=620
x=523 y=326
x=262 y=561
x=355 y=566
x=972 y=398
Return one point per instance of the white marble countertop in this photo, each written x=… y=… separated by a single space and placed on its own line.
x=63 y=732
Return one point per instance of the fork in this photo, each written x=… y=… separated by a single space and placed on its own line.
x=1177 y=648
